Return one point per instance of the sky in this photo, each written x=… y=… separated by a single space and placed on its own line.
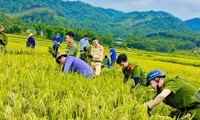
x=183 y=9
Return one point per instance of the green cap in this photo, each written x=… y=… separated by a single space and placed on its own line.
x=59 y=55
x=58 y=34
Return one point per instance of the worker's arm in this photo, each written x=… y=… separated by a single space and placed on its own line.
x=125 y=76
x=136 y=74
x=53 y=39
x=136 y=80
x=60 y=40
x=159 y=98
x=110 y=52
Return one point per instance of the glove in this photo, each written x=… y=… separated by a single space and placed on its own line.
x=149 y=111
x=102 y=66
x=90 y=56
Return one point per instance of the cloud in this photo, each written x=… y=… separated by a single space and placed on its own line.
x=184 y=9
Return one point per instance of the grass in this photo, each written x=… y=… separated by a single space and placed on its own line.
x=33 y=87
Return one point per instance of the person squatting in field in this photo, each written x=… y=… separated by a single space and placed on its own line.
x=3 y=40
x=31 y=41
x=106 y=62
x=56 y=42
x=131 y=70
x=175 y=93
x=73 y=64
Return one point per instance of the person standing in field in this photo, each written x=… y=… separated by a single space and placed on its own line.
x=31 y=41
x=175 y=93
x=3 y=40
x=56 y=42
x=71 y=48
x=96 y=56
x=73 y=64
x=112 y=56
x=106 y=62
x=131 y=70
x=83 y=43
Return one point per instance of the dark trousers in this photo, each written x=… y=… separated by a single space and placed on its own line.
x=113 y=62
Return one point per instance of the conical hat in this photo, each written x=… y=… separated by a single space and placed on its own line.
x=31 y=34
x=1 y=28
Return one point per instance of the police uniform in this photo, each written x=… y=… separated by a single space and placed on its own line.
x=133 y=71
x=97 y=55
x=183 y=97
x=71 y=50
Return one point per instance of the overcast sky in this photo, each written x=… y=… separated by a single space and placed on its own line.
x=184 y=9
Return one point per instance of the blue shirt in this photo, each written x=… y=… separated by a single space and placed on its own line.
x=108 y=63
x=57 y=39
x=83 y=43
x=31 y=40
x=113 y=55
x=74 y=64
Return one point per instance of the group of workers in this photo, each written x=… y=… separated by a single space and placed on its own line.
x=92 y=55
x=174 y=92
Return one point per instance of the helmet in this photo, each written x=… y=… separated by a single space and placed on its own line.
x=154 y=73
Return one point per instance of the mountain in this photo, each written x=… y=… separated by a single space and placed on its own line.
x=81 y=15
x=194 y=24
x=150 y=22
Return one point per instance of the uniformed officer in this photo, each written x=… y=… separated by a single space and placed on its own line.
x=175 y=93
x=71 y=48
x=96 y=55
x=131 y=70
x=3 y=40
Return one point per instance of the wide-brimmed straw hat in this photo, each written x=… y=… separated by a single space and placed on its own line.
x=1 y=28
x=31 y=34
